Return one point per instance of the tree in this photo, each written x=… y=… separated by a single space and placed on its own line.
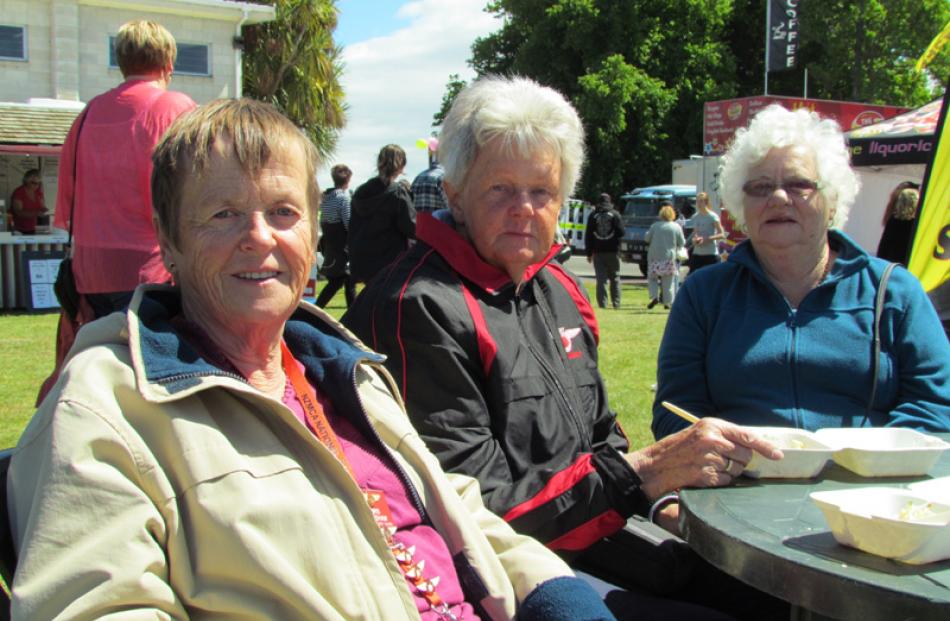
x=865 y=50
x=639 y=71
x=452 y=89
x=293 y=63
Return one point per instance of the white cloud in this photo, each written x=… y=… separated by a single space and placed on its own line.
x=394 y=83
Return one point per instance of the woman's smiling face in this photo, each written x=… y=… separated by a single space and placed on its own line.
x=246 y=243
x=793 y=213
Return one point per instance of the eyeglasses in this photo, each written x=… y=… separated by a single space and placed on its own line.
x=798 y=188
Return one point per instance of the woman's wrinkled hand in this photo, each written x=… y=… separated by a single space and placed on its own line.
x=709 y=453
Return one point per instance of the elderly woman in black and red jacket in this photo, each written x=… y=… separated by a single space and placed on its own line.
x=494 y=345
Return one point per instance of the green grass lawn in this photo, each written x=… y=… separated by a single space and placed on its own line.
x=629 y=339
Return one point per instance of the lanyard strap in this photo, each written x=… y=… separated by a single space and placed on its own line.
x=312 y=408
x=376 y=500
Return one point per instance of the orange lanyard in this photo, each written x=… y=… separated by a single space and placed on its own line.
x=312 y=409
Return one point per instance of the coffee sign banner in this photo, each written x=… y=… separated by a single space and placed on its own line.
x=784 y=33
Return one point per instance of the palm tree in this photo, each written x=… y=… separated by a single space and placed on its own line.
x=293 y=63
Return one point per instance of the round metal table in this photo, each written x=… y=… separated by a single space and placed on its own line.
x=769 y=534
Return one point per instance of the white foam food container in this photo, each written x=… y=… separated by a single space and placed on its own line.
x=805 y=454
x=899 y=524
x=883 y=451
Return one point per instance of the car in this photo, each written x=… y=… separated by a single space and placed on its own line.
x=641 y=208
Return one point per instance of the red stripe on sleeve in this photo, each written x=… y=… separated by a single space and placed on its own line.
x=580 y=300
x=587 y=533
x=487 y=347
x=556 y=485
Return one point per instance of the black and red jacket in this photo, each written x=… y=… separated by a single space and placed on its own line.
x=503 y=385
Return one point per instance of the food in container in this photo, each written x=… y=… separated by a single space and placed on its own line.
x=883 y=451
x=805 y=455
x=889 y=522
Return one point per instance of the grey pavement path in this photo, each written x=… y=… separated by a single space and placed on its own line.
x=579 y=266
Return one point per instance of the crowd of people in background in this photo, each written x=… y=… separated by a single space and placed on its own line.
x=215 y=444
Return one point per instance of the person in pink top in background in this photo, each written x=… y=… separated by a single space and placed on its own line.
x=114 y=244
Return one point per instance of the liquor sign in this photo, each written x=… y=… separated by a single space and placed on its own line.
x=783 y=16
x=721 y=119
x=908 y=138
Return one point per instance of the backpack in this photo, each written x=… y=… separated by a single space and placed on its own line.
x=603 y=225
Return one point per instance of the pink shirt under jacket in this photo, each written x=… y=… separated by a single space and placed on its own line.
x=114 y=244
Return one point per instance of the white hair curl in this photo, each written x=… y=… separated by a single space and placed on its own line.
x=526 y=116
x=777 y=127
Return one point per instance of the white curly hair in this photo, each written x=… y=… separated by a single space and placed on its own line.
x=776 y=127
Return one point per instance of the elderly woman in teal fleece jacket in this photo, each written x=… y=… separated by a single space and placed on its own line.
x=782 y=333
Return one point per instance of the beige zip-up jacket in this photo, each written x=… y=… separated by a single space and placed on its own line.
x=151 y=485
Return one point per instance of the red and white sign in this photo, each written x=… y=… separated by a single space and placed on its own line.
x=721 y=119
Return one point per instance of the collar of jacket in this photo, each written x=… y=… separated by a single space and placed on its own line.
x=167 y=368
x=851 y=257
x=438 y=231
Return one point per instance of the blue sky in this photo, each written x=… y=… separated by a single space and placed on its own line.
x=398 y=55
x=365 y=19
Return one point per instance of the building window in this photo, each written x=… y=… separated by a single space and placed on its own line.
x=12 y=43
x=192 y=58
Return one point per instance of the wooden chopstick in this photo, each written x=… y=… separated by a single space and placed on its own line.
x=680 y=412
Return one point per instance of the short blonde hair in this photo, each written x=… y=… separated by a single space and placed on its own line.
x=667 y=213
x=143 y=47
x=256 y=131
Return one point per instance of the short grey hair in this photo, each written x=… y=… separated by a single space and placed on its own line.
x=777 y=127
x=526 y=116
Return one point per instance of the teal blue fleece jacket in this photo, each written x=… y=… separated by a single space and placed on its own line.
x=734 y=348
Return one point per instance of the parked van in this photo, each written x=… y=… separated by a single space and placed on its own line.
x=641 y=208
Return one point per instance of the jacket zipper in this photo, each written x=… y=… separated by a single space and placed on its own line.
x=403 y=477
x=582 y=435
x=199 y=374
x=792 y=324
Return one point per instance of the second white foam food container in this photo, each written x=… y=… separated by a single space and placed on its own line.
x=883 y=451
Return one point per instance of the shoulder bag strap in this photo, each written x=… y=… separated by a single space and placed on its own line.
x=878 y=310
x=72 y=201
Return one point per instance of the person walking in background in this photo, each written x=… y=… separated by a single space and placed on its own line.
x=666 y=242
x=383 y=219
x=707 y=231
x=602 y=242
x=334 y=222
x=104 y=199
x=899 y=224
x=427 y=191
x=114 y=247
x=27 y=203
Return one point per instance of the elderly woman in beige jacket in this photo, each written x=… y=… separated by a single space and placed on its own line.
x=226 y=451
